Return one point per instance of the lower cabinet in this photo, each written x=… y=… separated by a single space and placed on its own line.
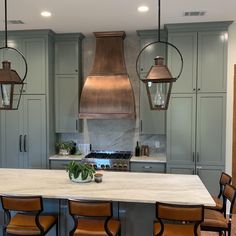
x=209 y=175
x=59 y=164
x=148 y=167
x=23 y=134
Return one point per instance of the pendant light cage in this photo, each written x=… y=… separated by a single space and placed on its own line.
x=11 y=84
x=159 y=79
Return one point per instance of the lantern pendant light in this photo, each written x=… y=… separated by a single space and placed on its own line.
x=159 y=79
x=11 y=84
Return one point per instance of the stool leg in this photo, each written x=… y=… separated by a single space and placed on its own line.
x=57 y=225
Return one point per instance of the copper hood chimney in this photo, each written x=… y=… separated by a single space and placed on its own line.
x=107 y=92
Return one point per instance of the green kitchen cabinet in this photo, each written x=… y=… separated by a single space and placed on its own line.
x=150 y=167
x=196 y=129
x=204 y=50
x=151 y=121
x=197 y=109
x=196 y=136
x=23 y=132
x=68 y=73
x=30 y=128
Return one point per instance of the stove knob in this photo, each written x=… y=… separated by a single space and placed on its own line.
x=120 y=166
x=114 y=165
x=107 y=166
x=125 y=166
x=102 y=166
x=95 y=166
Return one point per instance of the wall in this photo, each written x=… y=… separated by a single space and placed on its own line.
x=229 y=118
x=115 y=134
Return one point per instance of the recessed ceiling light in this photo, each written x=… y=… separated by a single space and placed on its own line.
x=46 y=13
x=143 y=8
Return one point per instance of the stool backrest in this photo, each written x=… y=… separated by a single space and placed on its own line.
x=229 y=194
x=193 y=214
x=90 y=208
x=224 y=179
x=18 y=203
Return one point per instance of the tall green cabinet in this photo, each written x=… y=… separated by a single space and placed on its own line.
x=197 y=109
x=27 y=134
x=68 y=73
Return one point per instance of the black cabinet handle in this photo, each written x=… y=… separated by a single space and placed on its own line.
x=25 y=143
x=20 y=143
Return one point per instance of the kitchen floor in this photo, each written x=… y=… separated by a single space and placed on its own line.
x=233 y=232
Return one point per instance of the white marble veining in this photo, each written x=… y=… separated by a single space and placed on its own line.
x=66 y=157
x=116 y=186
x=161 y=158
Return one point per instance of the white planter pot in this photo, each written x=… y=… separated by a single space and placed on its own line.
x=79 y=179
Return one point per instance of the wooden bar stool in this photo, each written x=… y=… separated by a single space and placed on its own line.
x=178 y=220
x=24 y=216
x=93 y=218
x=217 y=221
x=224 y=179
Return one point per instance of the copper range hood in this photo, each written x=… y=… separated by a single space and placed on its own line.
x=107 y=92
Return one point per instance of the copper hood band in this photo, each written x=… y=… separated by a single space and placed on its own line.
x=107 y=92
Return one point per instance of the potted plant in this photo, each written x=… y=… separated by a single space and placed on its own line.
x=80 y=172
x=66 y=148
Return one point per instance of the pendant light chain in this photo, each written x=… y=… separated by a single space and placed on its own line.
x=6 y=44
x=159 y=20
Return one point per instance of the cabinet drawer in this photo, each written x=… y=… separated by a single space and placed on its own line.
x=57 y=164
x=148 y=167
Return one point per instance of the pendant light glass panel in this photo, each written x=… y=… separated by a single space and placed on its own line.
x=158 y=95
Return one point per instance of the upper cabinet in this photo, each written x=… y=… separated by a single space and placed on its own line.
x=68 y=73
x=204 y=50
x=151 y=122
x=35 y=46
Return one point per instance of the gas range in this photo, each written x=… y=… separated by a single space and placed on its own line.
x=109 y=160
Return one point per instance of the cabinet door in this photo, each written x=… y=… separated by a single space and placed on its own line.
x=187 y=45
x=35 y=53
x=211 y=113
x=34 y=136
x=148 y=55
x=152 y=122
x=181 y=129
x=181 y=169
x=212 y=50
x=66 y=54
x=66 y=101
x=12 y=138
x=210 y=176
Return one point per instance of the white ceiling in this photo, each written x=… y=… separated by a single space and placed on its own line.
x=87 y=16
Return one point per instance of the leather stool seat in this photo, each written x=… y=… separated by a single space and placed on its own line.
x=213 y=218
x=176 y=229
x=22 y=224
x=96 y=227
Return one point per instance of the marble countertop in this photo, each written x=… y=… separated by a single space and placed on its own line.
x=160 y=158
x=66 y=157
x=116 y=186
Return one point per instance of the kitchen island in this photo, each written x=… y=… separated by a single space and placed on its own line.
x=134 y=194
